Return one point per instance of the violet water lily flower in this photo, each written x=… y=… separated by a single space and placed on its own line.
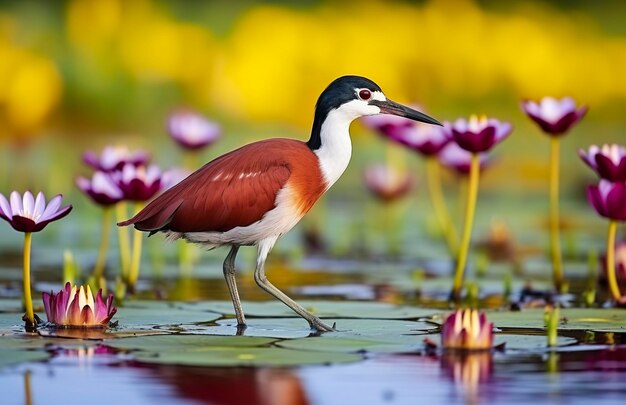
x=191 y=130
x=467 y=329
x=609 y=161
x=77 y=307
x=29 y=214
x=387 y=124
x=554 y=116
x=477 y=135
x=428 y=140
x=115 y=157
x=173 y=176
x=138 y=183
x=608 y=199
x=454 y=157
x=386 y=183
x=101 y=188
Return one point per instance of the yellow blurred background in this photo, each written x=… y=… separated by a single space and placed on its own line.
x=95 y=71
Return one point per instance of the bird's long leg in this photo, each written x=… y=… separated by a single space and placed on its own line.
x=229 y=275
x=261 y=279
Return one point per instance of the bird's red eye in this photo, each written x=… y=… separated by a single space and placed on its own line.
x=365 y=94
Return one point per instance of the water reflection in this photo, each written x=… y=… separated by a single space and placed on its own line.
x=468 y=370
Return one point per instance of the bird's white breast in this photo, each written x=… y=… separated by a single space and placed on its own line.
x=336 y=148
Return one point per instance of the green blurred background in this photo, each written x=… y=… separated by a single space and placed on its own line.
x=81 y=74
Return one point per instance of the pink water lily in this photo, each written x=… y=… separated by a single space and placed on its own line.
x=428 y=140
x=101 y=188
x=478 y=134
x=191 y=130
x=609 y=161
x=554 y=116
x=77 y=307
x=138 y=183
x=454 y=157
x=467 y=329
x=386 y=183
x=29 y=214
x=115 y=157
x=609 y=199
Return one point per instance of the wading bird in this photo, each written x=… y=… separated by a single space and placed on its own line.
x=255 y=194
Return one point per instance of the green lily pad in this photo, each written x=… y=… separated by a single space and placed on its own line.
x=11 y=356
x=163 y=343
x=141 y=318
x=530 y=342
x=29 y=341
x=593 y=319
x=347 y=345
x=246 y=357
x=328 y=309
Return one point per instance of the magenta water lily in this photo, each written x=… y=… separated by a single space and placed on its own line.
x=138 y=183
x=386 y=183
x=608 y=161
x=460 y=160
x=191 y=130
x=28 y=214
x=101 y=188
x=478 y=134
x=467 y=329
x=609 y=200
x=77 y=307
x=427 y=140
x=387 y=124
x=115 y=157
x=554 y=116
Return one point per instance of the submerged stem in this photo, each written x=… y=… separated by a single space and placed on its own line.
x=122 y=213
x=28 y=299
x=433 y=174
x=133 y=274
x=555 y=240
x=610 y=261
x=470 y=208
x=98 y=270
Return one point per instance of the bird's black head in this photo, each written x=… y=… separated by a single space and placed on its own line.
x=354 y=97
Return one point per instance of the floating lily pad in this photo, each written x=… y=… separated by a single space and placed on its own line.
x=12 y=356
x=594 y=319
x=31 y=341
x=246 y=357
x=530 y=342
x=161 y=315
x=186 y=342
x=329 y=309
x=347 y=345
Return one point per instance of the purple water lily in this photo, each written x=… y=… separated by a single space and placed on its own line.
x=27 y=214
x=428 y=140
x=77 y=307
x=138 y=183
x=478 y=135
x=608 y=199
x=554 y=116
x=454 y=157
x=191 y=130
x=387 y=124
x=101 y=188
x=385 y=183
x=467 y=329
x=114 y=158
x=609 y=161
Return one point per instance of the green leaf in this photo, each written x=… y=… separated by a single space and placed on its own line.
x=11 y=356
x=162 y=343
x=246 y=356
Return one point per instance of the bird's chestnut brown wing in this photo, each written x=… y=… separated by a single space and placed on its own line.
x=236 y=189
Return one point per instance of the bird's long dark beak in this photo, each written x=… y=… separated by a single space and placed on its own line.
x=391 y=107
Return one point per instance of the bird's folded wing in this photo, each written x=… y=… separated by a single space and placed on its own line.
x=236 y=189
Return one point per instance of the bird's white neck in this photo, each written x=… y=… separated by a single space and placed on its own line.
x=336 y=147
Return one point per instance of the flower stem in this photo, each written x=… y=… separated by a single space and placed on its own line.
x=28 y=299
x=133 y=274
x=433 y=175
x=122 y=213
x=610 y=261
x=470 y=208
x=98 y=270
x=555 y=241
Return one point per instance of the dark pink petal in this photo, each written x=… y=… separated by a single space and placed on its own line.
x=615 y=203
x=595 y=199
x=74 y=312
x=86 y=316
x=100 y=310
x=23 y=224
x=608 y=170
x=46 y=305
